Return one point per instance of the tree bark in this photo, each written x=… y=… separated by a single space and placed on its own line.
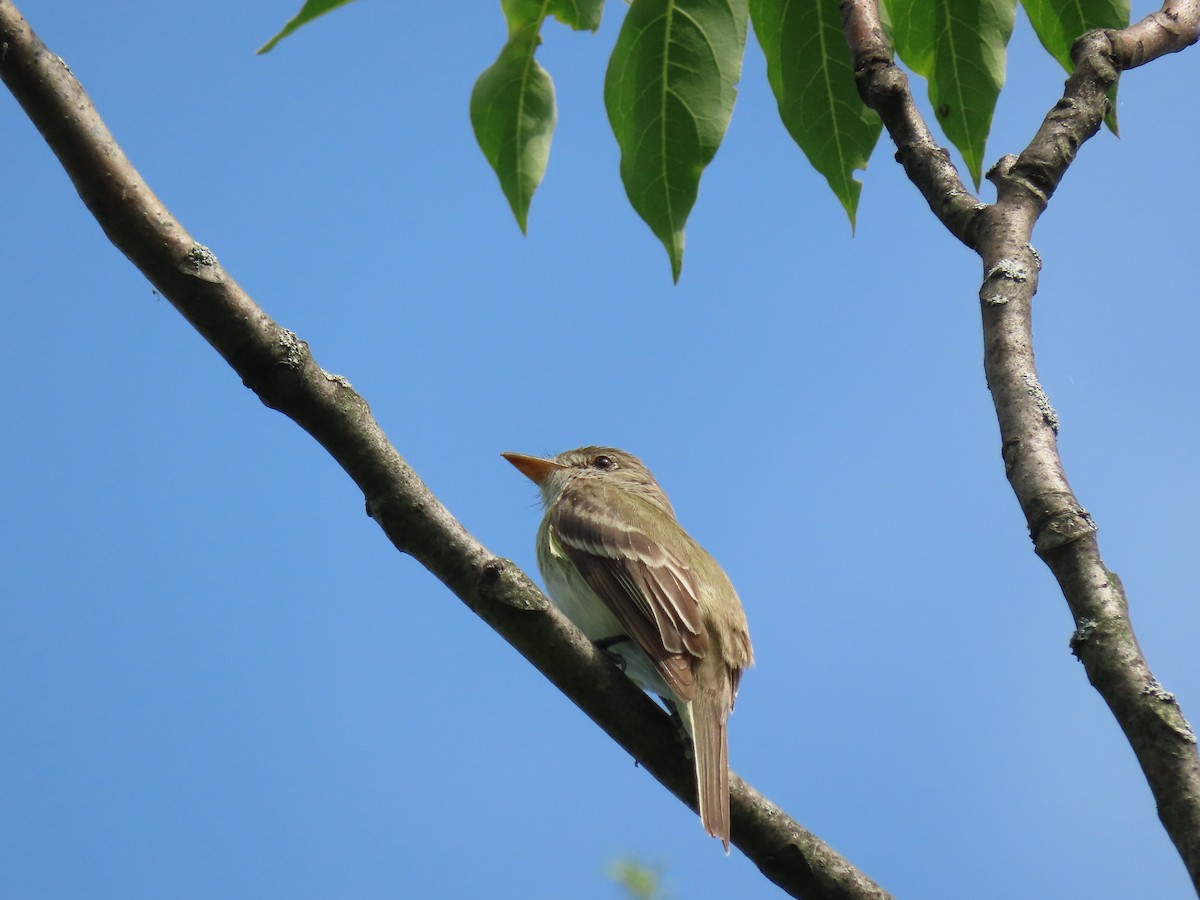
x=1063 y=533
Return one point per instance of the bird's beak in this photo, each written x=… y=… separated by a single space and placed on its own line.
x=533 y=467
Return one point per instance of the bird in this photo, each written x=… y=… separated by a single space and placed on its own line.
x=619 y=565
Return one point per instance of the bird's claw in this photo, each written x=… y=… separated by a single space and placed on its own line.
x=606 y=645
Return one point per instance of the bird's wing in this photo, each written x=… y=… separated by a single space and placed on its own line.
x=639 y=576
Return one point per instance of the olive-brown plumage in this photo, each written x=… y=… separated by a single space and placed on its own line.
x=618 y=563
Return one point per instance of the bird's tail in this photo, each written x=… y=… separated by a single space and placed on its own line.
x=710 y=711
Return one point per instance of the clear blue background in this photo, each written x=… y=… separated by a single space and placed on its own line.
x=217 y=679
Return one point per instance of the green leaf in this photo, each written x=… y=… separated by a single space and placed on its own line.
x=581 y=15
x=914 y=27
x=809 y=68
x=1058 y=23
x=309 y=11
x=512 y=104
x=669 y=93
x=513 y=114
x=885 y=20
x=959 y=46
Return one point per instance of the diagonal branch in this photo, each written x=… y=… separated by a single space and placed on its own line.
x=1064 y=534
x=279 y=368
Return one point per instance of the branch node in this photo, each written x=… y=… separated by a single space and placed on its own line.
x=1061 y=528
x=1161 y=32
x=340 y=380
x=1010 y=452
x=1170 y=713
x=1000 y=170
x=1082 y=635
x=1096 y=47
x=1157 y=691
x=880 y=81
x=1005 y=270
x=1035 y=390
x=200 y=262
x=1035 y=180
x=292 y=350
x=502 y=581
x=374 y=509
x=1037 y=257
x=1010 y=269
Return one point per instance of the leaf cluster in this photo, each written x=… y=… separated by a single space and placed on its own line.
x=671 y=84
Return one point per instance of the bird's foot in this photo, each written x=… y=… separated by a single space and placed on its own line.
x=606 y=644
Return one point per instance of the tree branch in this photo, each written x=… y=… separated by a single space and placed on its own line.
x=279 y=368
x=1064 y=534
x=884 y=88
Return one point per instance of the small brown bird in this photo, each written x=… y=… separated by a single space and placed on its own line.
x=620 y=566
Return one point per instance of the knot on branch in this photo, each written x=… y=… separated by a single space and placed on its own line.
x=1057 y=526
x=380 y=506
x=1005 y=272
x=1157 y=691
x=1096 y=50
x=1035 y=390
x=881 y=83
x=1009 y=269
x=1000 y=170
x=292 y=350
x=1037 y=176
x=500 y=580
x=1168 y=711
x=1083 y=634
x=277 y=372
x=1168 y=30
x=401 y=515
x=200 y=262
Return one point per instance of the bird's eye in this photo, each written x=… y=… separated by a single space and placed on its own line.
x=603 y=462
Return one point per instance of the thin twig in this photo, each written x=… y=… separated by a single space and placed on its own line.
x=884 y=88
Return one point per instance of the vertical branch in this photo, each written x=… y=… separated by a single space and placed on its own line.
x=1063 y=533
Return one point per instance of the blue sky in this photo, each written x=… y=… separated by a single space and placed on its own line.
x=219 y=680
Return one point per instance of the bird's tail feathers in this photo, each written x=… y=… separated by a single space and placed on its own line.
x=710 y=710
